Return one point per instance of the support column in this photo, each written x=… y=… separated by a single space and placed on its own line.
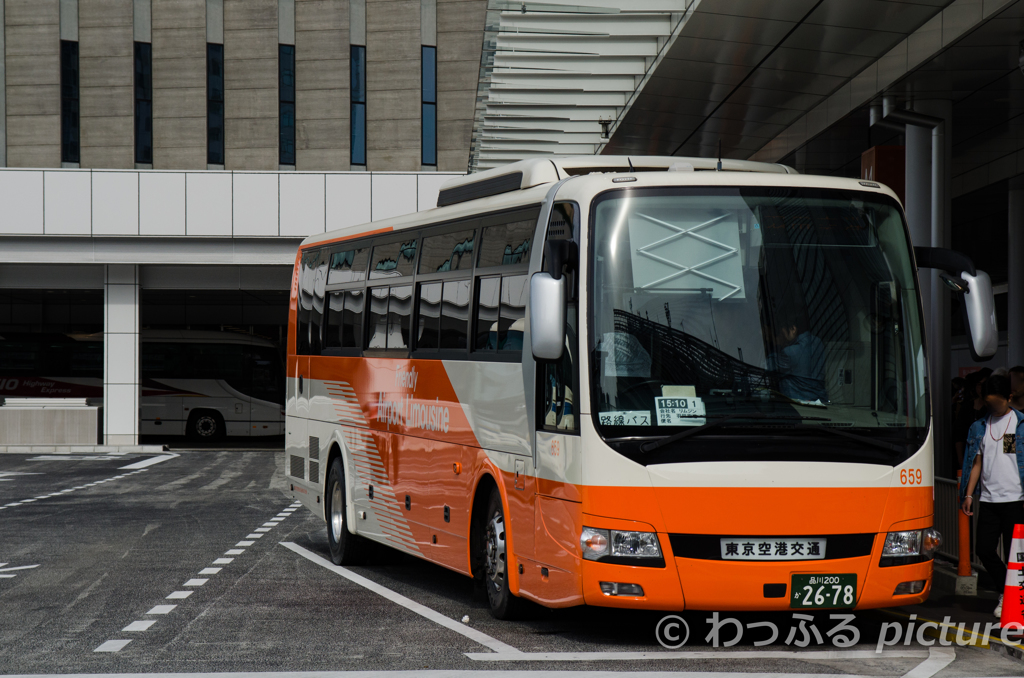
x=121 y=355
x=1015 y=291
x=937 y=299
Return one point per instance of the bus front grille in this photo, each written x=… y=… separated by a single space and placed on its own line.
x=298 y=467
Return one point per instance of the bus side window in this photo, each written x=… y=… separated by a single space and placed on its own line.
x=558 y=382
x=307 y=289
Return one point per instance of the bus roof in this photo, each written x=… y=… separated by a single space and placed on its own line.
x=526 y=183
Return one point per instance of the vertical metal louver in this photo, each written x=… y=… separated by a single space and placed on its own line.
x=314 y=471
x=314 y=448
x=297 y=467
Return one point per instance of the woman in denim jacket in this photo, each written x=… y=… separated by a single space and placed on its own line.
x=995 y=456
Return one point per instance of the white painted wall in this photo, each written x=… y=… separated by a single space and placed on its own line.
x=63 y=202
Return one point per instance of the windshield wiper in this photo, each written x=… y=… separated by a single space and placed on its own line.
x=882 y=444
x=652 y=445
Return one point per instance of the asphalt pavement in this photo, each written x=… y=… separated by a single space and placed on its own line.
x=194 y=562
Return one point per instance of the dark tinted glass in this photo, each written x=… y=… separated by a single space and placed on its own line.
x=286 y=129
x=428 y=134
x=428 y=61
x=358 y=73
x=348 y=266
x=357 y=92
x=393 y=259
x=358 y=136
x=507 y=244
x=487 y=314
x=378 y=318
x=399 y=316
x=304 y=341
x=514 y=290
x=455 y=302
x=143 y=102
x=345 y=320
x=286 y=112
x=70 y=150
x=428 y=317
x=449 y=252
x=215 y=104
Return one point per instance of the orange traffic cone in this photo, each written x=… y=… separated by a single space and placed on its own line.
x=1013 y=593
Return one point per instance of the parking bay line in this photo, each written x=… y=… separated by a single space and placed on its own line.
x=422 y=610
x=148 y=462
x=935 y=659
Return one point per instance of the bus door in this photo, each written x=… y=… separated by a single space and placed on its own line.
x=558 y=515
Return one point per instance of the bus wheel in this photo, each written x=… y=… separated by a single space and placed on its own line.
x=346 y=548
x=503 y=604
x=205 y=425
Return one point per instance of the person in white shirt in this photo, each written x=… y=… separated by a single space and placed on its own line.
x=995 y=456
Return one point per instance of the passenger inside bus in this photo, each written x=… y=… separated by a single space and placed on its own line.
x=799 y=361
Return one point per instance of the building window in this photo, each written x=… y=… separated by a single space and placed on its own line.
x=214 y=104
x=143 y=103
x=69 y=130
x=357 y=88
x=286 y=103
x=428 y=135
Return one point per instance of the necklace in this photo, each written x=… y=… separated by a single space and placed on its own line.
x=1008 y=421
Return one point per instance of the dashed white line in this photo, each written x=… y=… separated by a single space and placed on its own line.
x=162 y=609
x=258 y=529
x=179 y=595
x=139 y=625
x=234 y=552
x=112 y=646
x=149 y=462
x=223 y=561
x=196 y=582
x=245 y=543
x=253 y=536
x=209 y=570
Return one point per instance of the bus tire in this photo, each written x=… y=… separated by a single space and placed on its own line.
x=503 y=604
x=205 y=425
x=346 y=548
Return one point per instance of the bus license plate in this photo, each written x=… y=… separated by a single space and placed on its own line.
x=823 y=590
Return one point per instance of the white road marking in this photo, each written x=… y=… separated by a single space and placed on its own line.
x=938 y=659
x=253 y=536
x=209 y=570
x=162 y=609
x=223 y=561
x=442 y=674
x=139 y=625
x=234 y=552
x=262 y=529
x=282 y=515
x=112 y=646
x=8 y=476
x=699 y=655
x=20 y=567
x=28 y=501
x=245 y=543
x=179 y=595
x=196 y=582
x=422 y=610
x=149 y=462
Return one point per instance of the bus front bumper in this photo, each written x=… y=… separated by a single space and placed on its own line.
x=715 y=585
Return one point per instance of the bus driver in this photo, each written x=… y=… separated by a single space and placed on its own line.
x=799 y=362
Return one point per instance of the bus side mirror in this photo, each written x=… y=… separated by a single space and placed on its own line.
x=980 y=314
x=975 y=288
x=547 y=316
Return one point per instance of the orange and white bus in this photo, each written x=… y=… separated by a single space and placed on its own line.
x=641 y=382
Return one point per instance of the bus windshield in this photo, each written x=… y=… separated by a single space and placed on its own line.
x=769 y=312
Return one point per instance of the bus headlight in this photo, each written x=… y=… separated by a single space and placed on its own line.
x=596 y=544
x=901 y=544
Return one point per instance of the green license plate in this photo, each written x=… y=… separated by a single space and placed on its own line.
x=823 y=590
